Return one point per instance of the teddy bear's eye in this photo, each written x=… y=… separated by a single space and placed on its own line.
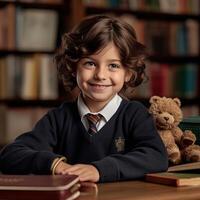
x=159 y=112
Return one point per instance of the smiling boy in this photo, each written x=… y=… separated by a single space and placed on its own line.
x=101 y=137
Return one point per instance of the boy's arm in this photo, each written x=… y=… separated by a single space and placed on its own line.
x=32 y=152
x=147 y=155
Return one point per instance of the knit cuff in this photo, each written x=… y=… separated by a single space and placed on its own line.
x=43 y=162
x=108 y=169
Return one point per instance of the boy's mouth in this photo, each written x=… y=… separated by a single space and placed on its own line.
x=99 y=86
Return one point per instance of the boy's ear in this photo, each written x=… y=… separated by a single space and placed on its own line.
x=128 y=75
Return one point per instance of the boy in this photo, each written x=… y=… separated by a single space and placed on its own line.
x=101 y=137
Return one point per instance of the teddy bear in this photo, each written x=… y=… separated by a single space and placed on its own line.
x=180 y=145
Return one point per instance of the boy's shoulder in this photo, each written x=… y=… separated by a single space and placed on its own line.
x=132 y=109
x=65 y=108
x=68 y=105
x=131 y=105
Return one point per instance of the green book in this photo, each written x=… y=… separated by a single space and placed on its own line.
x=174 y=178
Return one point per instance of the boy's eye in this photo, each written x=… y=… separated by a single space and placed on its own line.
x=89 y=64
x=114 y=66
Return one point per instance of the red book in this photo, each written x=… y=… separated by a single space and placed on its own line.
x=44 y=187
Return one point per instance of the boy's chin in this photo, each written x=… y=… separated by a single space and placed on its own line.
x=99 y=98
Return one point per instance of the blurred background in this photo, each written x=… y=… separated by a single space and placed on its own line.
x=31 y=30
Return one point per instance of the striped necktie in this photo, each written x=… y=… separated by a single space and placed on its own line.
x=92 y=121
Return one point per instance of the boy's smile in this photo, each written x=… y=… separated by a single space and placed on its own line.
x=99 y=87
x=101 y=76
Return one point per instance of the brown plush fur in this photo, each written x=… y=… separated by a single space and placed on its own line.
x=179 y=145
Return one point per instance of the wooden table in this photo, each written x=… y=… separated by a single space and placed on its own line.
x=138 y=190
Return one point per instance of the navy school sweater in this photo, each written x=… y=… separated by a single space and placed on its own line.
x=126 y=147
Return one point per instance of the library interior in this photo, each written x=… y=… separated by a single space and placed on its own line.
x=31 y=31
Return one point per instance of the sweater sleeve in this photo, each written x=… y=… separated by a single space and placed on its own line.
x=32 y=152
x=147 y=153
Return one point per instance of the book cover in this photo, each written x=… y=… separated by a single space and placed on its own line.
x=1 y=29
x=39 y=195
x=3 y=81
x=3 y=110
x=156 y=77
x=37 y=182
x=173 y=38
x=30 y=78
x=185 y=167
x=42 y=187
x=182 y=48
x=10 y=17
x=192 y=37
x=174 y=178
x=10 y=61
x=48 y=83
x=36 y=29
x=191 y=80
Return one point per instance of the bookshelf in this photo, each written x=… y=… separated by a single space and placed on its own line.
x=69 y=13
x=29 y=35
x=179 y=64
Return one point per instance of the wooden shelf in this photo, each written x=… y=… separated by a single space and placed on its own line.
x=150 y=15
x=54 y=6
x=174 y=59
x=4 y=52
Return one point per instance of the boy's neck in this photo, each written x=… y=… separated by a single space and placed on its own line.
x=95 y=106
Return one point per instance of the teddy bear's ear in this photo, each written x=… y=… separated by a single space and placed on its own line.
x=177 y=101
x=154 y=99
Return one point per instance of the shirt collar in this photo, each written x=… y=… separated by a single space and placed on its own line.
x=107 y=112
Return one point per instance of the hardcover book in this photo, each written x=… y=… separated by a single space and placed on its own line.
x=44 y=187
x=195 y=166
x=178 y=175
x=174 y=178
x=36 y=29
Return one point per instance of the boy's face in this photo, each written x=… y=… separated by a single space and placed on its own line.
x=100 y=76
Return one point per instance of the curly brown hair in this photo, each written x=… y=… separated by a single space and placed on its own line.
x=91 y=36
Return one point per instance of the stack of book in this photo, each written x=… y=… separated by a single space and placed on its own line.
x=44 y=187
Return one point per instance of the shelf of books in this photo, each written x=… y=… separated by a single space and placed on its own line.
x=170 y=31
x=30 y=32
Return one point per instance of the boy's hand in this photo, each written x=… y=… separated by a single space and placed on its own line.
x=61 y=167
x=85 y=172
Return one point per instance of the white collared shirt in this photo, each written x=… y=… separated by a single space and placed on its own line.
x=107 y=112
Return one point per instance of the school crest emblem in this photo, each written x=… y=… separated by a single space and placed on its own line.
x=119 y=144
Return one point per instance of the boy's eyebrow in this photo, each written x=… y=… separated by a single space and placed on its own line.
x=110 y=60
x=114 y=60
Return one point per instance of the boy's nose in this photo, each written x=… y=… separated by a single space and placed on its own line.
x=100 y=73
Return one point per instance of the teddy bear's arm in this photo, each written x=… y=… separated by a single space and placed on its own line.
x=177 y=133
